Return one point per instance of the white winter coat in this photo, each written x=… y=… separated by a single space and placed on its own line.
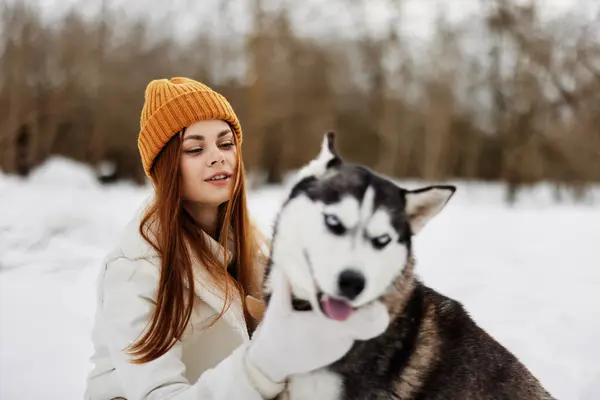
x=205 y=364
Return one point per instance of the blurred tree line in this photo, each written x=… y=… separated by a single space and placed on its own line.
x=524 y=108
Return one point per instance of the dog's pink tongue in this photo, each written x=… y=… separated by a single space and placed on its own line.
x=336 y=309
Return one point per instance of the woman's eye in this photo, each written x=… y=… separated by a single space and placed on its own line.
x=197 y=150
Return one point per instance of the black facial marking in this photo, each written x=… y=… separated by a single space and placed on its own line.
x=353 y=180
x=302 y=187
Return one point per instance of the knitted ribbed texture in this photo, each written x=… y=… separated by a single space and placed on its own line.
x=173 y=104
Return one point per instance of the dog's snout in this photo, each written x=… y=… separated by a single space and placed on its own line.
x=351 y=283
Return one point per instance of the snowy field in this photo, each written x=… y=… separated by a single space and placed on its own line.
x=529 y=274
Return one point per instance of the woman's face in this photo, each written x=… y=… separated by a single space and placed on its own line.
x=208 y=162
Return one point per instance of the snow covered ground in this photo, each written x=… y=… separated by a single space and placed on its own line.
x=529 y=274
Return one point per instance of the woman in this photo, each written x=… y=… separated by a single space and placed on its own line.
x=171 y=318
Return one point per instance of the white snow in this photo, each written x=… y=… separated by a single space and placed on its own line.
x=528 y=274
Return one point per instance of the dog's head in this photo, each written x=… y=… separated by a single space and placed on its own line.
x=343 y=235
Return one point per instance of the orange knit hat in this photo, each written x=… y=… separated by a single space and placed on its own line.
x=173 y=104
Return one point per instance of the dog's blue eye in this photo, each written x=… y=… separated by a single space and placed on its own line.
x=334 y=224
x=382 y=241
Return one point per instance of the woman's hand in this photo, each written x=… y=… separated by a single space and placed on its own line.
x=289 y=342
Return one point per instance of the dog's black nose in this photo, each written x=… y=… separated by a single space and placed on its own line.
x=351 y=283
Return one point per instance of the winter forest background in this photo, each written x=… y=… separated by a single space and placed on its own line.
x=500 y=97
x=495 y=90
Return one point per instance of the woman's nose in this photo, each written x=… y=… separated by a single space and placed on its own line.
x=216 y=157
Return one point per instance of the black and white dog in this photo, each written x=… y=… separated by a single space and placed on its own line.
x=343 y=238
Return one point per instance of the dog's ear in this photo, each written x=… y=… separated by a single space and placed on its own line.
x=425 y=203
x=327 y=160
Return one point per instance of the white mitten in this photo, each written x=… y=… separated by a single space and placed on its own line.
x=289 y=342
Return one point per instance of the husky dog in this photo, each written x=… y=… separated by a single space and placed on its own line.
x=343 y=239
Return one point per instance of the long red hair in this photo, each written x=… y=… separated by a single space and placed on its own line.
x=173 y=233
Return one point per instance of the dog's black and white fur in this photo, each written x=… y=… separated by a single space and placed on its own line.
x=345 y=232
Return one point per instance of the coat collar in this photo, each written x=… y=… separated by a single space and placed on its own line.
x=134 y=246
